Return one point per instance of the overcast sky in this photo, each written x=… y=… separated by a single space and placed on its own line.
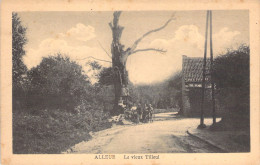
x=77 y=34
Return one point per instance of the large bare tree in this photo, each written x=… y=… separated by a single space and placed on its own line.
x=120 y=54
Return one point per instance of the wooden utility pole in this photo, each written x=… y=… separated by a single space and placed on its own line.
x=211 y=72
x=202 y=125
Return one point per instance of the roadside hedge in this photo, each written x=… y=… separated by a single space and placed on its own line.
x=232 y=79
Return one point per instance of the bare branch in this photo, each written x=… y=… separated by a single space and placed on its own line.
x=152 y=31
x=150 y=49
x=104 y=49
x=94 y=59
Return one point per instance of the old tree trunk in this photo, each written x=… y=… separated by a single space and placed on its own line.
x=120 y=55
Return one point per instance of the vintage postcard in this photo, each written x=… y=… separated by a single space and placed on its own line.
x=130 y=82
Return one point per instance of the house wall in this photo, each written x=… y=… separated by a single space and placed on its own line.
x=192 y=103
x=195 y=96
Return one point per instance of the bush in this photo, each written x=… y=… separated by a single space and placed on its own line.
x=55 y=130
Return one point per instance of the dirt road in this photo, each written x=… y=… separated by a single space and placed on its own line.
x=167 y=134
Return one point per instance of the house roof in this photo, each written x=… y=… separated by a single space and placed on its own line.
x=192 y=69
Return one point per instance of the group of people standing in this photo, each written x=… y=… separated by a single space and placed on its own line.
x=142 y=113
x=136 y=112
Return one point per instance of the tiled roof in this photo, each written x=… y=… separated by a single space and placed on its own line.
x=192 y=68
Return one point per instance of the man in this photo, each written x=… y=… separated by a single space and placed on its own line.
x=134 y=114
x=139 y=112
x=150 y=112
x=145 y=113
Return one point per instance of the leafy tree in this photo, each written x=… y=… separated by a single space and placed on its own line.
x=231 y=76
x=59 y=81
x=94 y=65
x=18 y=41
x=106 y=76
x=62 y=108
x=94 y=69
x=176 y=83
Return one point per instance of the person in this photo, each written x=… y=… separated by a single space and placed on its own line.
x=145 y=113
x=128 y=110
x=139 y=112
x=134 y=114
x=150 y=112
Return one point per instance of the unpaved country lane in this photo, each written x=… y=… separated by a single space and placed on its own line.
x=165 y=136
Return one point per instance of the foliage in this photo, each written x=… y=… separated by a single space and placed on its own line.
x=231 y=76
x=106 y=76
x=161 y=95
x=94 y=65
x=59 y=82
x=232 y=69
x=176 y=83
x=18 y=68
x=62 y=108
x=54 y=104
x=146 y=94
x=51 y=131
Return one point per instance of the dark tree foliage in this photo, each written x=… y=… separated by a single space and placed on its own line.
x=62 y=108
x=59 y=81
x=94 y=65
x=231 y=76
x=106 y=76
x=164 y=95
x=232 y=69
x=18 y=42
x=176 y=83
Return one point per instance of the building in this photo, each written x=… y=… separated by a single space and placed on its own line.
x=192 y=70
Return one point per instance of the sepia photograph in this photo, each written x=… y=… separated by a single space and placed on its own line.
x=103 y=82
x=130 y=82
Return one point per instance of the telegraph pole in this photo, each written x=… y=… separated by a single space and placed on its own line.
x=211 y=72
x=202 y=125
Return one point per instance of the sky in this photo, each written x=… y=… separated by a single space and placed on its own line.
x=80 y=35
